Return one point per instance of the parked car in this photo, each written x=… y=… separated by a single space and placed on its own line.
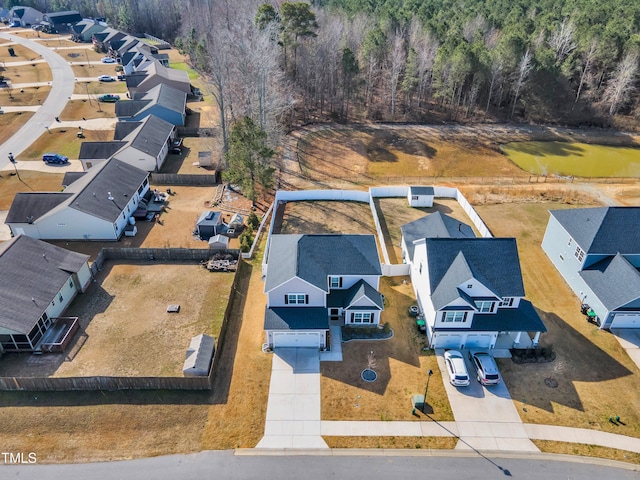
x=106 y=78
x=486 y=368
x=108 y=60
x=122 y=77
x=456 y=368
x=54 y=158
x=108 y=98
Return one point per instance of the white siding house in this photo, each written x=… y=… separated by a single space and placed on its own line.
x=420 y=196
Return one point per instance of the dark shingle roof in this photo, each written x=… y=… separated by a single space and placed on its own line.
x=92 y=190
x=135 y=79
x=152 y=135
x=70 y=177
x=162 y=95
x=435 y=225
x=362 y=288
x=614 y=280
x=604 y=230
x=28 y=206
x=125 y=128
x=130 y=108
x=492 y=261
x=69 y=16
x=99 y=150
x=525 y=318
x=32 y=272
x=417 y=190
x=314 y=257
x=300 y=318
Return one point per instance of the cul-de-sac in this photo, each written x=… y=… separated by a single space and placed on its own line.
x=319 y=228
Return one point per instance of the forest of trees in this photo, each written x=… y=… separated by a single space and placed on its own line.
x=573 y=62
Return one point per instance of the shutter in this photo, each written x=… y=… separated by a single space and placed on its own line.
x=286 y=299
x=306 y=299
x=340 y=282
x=352 y=317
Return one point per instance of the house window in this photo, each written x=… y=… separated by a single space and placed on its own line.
x=335 y=282
x=361 y=317
x=414 y=197
x=570 y=241
x=296 y=299
x=484 y=307
x=458 y=317
x=579 y=254
x=71 y=283
x=334 y=311
x=561 y=258
x=469 y=286
x=60 y=297
x=506 y=302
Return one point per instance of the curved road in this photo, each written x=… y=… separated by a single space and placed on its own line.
x=61 y=89
x=373 y=465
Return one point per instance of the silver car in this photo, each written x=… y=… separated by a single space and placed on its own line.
x=456 y=368
x=486 y=368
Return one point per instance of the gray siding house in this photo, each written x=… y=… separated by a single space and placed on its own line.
x=314 y=280
x=163 y=101
x=597 y=252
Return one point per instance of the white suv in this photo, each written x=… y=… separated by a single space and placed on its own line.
x=456 y=368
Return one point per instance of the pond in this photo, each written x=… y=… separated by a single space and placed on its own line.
x=578 y=159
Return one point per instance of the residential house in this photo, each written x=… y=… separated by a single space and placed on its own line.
x=163 y=101
x=24 y=16
x=37 y=283
x=434 y=225
x=153 y=74
x=97 y=206
x=92 y=153
x=420 y=196
x=4 y=15
x=597 y=252
x=84 y=30
x=61 y=22
x=140 y=56
x=312 y=280
x=470 y=293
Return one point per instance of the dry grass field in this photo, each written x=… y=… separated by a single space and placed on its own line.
x=325 y=217
x=36 y=72
x=184 y=163
x=24 y=96
x=10 y=123
x=395 y=212
x=434 y=443
x=94 y=70
x=78 y=109
x=99 y=88
x=590 y=364
x=22 y=54
x=30 y=182
x=81 y=55
x=63 y=141
x=402 y=367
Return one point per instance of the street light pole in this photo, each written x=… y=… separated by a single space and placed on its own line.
x=13 y=160
x=424 y=400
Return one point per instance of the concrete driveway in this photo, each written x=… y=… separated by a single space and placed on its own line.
x=486 y=417
x=293 y=410
x=629 y=339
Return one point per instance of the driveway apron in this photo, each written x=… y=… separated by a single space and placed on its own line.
x=486 y=417
x=293 y=409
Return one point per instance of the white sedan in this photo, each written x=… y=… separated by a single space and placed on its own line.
x=456 y=368
x=106 y=78
x=108 y=60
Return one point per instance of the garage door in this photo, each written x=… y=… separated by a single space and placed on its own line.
x=296 y=339
x=626 y=320
x=478 y=341
x=447 y=340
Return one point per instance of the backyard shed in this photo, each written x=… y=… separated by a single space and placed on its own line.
x=420 y=196
x=199 y=356
x=219 y=242
x=210 y=224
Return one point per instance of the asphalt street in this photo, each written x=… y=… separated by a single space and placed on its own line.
x=61 y=89
x=379 y=465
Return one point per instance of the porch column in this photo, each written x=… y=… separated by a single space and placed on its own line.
x=536 y=339
x=516 y=342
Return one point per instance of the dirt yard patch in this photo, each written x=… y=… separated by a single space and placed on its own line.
x=10 y=123
x=588 y=451
x=402 y=365
x=82 y=55
x=99 y=88
x=63 y=141
x=78 y=109
x=31 y=182
x=24 y=96
x=395 y=212
x=439 y=443
x=184 y=163
x=589 y=365
x=36 y=72
x=325 y=217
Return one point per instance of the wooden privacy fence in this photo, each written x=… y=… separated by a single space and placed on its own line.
x=184 y=180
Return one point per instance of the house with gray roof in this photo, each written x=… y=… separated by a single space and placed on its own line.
x=24 y=16
x=597 y=252
x=84 y=30
x=471 y=294
x=62 y=22
x=434 y=225
x=163 y=101
x=154 y=73
x=314 y=281
x=97 y=206
x=37 y=283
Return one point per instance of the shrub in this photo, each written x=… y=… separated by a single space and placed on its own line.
x=253 y=220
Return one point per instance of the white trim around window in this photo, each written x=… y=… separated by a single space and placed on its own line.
x=296 y=299
x=362 y=317
x=485 y=306
x=457 y=317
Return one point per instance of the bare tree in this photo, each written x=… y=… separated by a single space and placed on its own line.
x=563 y=40
x=524 y=68
x=588 y=58
x=474 y=28
x=622 y=82
x=395 y=63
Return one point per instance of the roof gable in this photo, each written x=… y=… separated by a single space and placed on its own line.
x=99 y=150
x=151 y=136
x=27 y=207
x=614 y=280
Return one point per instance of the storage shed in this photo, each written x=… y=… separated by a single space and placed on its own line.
x=199 y=356
x=210 y=224
x=219 y=242
x=420 y=196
